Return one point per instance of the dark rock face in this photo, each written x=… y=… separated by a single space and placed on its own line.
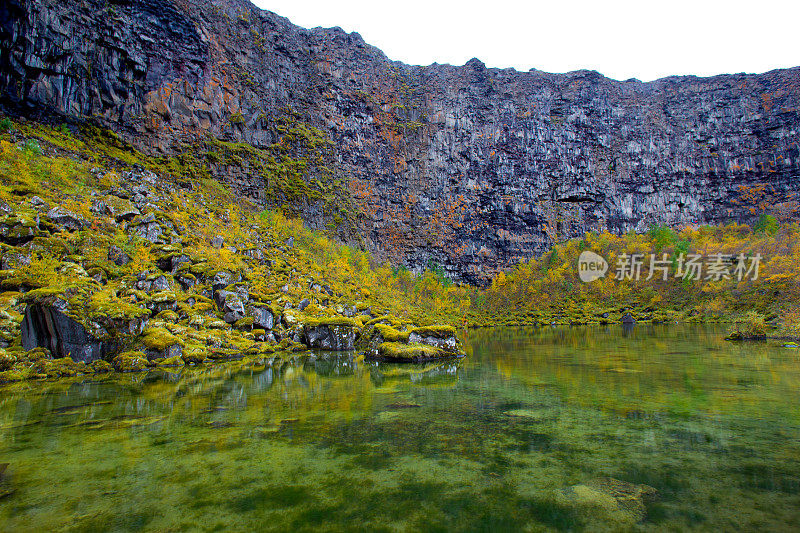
x=469 y=167
x=334 y=338
x=262 y=317
x=48 y=327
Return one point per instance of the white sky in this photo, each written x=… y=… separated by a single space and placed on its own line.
x=619 y=38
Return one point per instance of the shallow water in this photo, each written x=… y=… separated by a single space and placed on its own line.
x=496 y=442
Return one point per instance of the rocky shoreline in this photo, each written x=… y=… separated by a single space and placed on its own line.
x=119 y=269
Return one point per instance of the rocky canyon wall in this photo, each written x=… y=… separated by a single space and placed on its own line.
x=470 y=167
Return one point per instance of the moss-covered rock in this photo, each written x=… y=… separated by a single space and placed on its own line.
x=101 y=367
x=172 y=361
x=375 y=334
x=57 y=368
x=160 y=339
x=134 y=361
x=9 y=376
x=7 y=360
x=438 y=331
x=442 y=337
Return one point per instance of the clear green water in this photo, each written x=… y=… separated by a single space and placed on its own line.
x=492 y=444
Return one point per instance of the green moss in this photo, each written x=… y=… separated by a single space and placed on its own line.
x=386 y=319
x=439 y=331
x=9 y=376
x=57 y=368
x=333 y=321
x=171 y=361
x=168 y=315
x=194 y=355
x=160 y=339
x=246 y=322
x=134 y=361
x=751 y=325
x=7 y=361
x=100 y=366
x=390 y=334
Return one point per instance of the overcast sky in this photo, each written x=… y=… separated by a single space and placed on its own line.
x=619 y=38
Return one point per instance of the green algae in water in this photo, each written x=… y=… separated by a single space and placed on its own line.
x=538 y=429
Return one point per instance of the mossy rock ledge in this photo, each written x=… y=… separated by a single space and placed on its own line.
x=383 y=342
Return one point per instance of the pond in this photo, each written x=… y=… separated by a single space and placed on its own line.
x=649 y=428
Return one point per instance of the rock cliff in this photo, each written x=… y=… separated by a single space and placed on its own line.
x=467 y=167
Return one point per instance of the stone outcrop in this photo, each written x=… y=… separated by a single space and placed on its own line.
x=381 y=340
x=48 y=327
x=467 y=167
x=337 y=334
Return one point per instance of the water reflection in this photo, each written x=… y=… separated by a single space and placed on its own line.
x=539 y=428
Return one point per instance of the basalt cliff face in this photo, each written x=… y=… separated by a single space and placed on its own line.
x=469 y=167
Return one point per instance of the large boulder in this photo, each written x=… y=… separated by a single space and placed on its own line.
x=152 y=283
x=230 y=304
x=149 y=228
x=121 y=209
x=118 y=256
x=263 y=316
x=399 y=352
x=66 y=219
x=221 y=280
x=381 y=341
x=18 y=228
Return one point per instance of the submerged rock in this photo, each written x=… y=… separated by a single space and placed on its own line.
x=5 y=481
x=624 y=502
x=740 y=336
